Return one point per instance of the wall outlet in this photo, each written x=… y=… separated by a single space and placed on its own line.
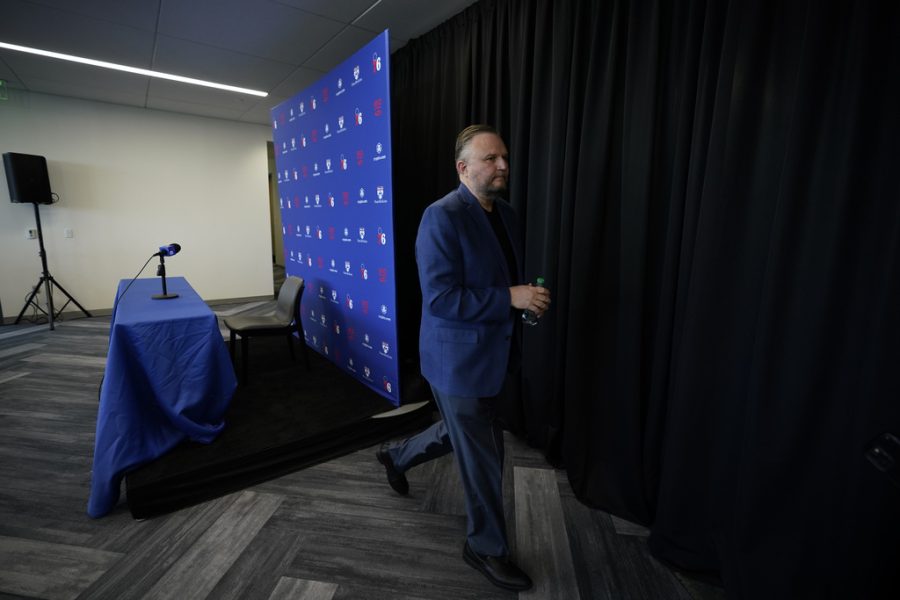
x=30 y=234
x=68 y=233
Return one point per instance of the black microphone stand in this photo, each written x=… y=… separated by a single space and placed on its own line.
x=48 y=281
x=161 y=271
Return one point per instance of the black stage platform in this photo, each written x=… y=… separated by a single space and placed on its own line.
x=286 y=419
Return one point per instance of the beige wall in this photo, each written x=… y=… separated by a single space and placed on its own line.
x=130 y=180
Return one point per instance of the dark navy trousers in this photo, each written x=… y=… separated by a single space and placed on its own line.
x=471 y=431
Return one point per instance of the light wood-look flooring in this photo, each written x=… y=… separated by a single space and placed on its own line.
x=331 y=532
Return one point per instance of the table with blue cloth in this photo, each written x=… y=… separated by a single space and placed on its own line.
x=168 y=378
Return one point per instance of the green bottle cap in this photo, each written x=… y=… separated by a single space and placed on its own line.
x=539 y=281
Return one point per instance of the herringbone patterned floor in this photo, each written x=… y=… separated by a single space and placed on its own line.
x=334 y=531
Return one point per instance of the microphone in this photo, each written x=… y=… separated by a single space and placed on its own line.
x=170 y=250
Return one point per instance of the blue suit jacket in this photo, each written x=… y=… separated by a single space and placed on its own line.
x=467 y=319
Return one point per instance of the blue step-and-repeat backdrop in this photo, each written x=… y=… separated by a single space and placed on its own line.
x=333 y=156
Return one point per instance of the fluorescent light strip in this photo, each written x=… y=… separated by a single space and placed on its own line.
x=135 y=70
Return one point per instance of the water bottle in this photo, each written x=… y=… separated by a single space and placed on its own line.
x=528 y=317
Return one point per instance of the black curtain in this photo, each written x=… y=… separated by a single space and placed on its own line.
x=711 y=191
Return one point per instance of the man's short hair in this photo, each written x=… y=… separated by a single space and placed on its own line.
x=465 y=136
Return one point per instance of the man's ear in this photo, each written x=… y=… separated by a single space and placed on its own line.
x=460 y=167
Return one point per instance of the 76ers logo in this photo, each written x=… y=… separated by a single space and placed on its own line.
x=382 y=237
x=357 y=117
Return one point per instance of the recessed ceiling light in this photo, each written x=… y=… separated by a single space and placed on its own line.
x=135 y=70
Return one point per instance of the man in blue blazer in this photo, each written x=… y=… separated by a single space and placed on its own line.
x=469 y=258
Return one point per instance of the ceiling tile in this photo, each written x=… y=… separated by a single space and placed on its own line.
x=189 y=108
x=345 y=11
x=394 y=15
x=140 y=14
x=215 y=64
x=36 y=72
x=263 y=29
x=300 y=79
x=161 y=89
x=114 y=95
x=43 y=27
x=340 y=48
x=259 y=44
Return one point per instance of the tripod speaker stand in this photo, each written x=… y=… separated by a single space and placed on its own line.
x=46 y=281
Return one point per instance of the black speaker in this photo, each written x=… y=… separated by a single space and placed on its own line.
x=27 y=177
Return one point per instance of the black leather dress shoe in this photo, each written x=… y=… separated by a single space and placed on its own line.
x=395 y=478
x=502 y=572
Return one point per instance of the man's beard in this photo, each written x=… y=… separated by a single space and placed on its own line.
x=497 y=191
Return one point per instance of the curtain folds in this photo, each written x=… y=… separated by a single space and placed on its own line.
x=710 y=190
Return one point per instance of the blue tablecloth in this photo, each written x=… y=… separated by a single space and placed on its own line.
x=168 y=378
